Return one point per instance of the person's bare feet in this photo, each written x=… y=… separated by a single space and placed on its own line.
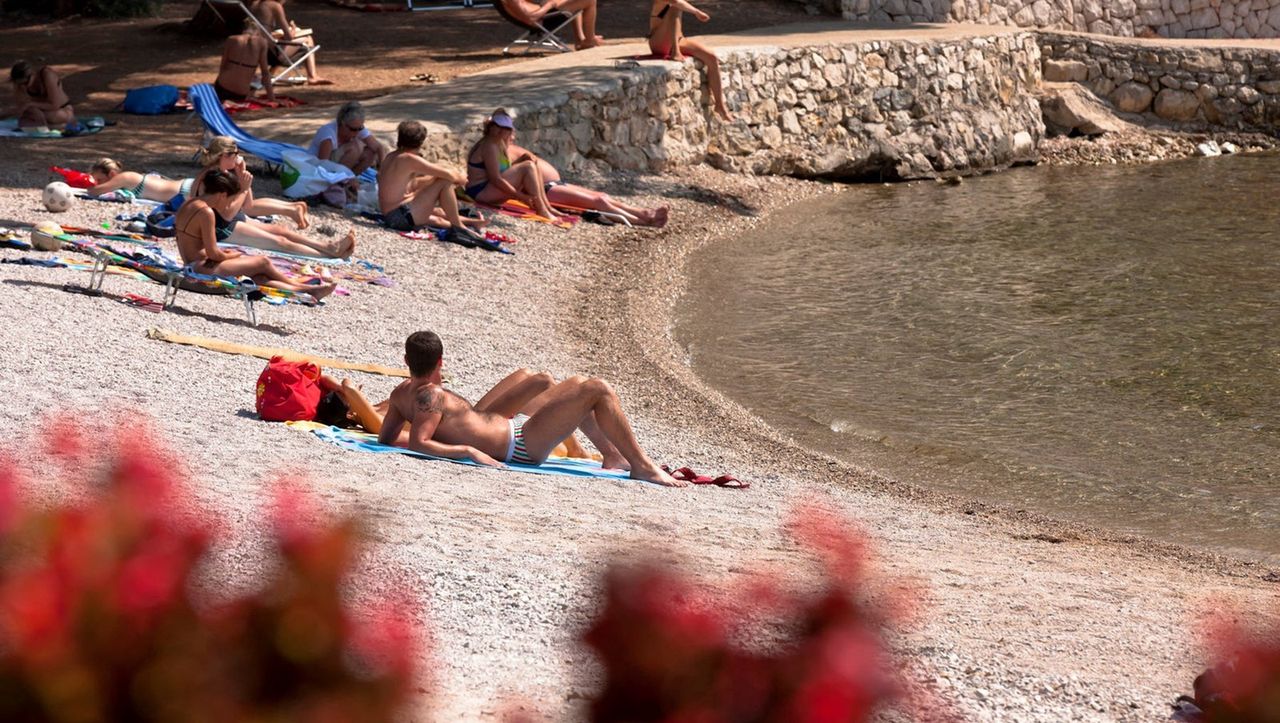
x=319 y=291
x=615 y=461
x=657 y=476
x=348 y=245
x=587 y=44
x=661 y=215
x=319 y=81
x=304 y=219
x=724 y=114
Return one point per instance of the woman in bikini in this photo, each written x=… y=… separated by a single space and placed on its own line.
x=237 y=227
x=491 y=176
x=667 y=41
x=568 y=195
x=42 y=103
x=110 y=176
x=243 y=56
x=198 y=240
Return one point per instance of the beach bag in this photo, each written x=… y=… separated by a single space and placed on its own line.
x=152 y=100
x=303 y=175
x=288 y=391
x=160 y=223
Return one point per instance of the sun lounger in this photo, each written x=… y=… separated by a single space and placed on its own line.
x=152 y=262
x=540 y=35
x=215 y=118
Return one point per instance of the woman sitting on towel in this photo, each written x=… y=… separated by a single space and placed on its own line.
x=42 y=103
x=569 y=196
x=491 y=176
x=111 y=177
x=196 y=227
x=236 y=227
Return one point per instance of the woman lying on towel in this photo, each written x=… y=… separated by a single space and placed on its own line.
x=197 y=236
x=579 y=198
x=111 y=177
x=557 y=192
x=518 y=393
x=236 y=227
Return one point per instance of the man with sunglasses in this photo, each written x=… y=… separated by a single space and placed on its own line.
x=346 y=140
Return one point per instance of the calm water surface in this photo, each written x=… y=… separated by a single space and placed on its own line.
x=1099 y=344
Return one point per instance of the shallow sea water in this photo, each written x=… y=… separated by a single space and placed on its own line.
x=1099 y=344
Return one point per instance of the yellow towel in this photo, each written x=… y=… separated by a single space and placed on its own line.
x=227 y=347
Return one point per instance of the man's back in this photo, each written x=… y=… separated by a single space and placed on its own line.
x=393 y=177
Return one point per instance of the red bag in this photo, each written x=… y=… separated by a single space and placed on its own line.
x=288 y=391
x=75 y=179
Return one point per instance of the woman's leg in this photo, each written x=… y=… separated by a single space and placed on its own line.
x=265 y=273
x=273 y=237
x=584 y=26
x=296 y=211
x=579 y=197
x=664 y=38
x=526 y=177
x=341 y=249
x=709 y=59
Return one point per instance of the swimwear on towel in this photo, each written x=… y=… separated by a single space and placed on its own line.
x=516 y=451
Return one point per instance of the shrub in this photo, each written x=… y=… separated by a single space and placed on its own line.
x=99 y=618
x=669 y=652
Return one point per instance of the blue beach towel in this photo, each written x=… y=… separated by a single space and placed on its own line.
x=215 y=118
x=365 y=442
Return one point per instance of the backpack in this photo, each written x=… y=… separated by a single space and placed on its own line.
x=288 y=391
x=152 y=100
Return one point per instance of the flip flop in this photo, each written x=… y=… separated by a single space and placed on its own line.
x=686 y=474
x=728 y=481
x=143 y=303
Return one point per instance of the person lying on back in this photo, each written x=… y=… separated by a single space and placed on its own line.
x=410 y=188
x=243 y=57
x=444 y=424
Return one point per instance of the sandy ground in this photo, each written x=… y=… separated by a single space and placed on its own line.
x=1020 y=618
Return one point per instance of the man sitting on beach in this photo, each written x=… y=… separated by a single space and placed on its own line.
x=410 y=188
x=243 y=56
x=346 y=140
x=444 y=424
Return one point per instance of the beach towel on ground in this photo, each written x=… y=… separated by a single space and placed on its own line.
x=9 y=129
x=251 y=104
x=206 y=103
x=365 y=442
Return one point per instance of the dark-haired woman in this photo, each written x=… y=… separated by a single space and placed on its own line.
x=198 y=240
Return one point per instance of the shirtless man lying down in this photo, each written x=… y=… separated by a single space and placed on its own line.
x=446 y=425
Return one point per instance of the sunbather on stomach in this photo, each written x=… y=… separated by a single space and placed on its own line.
x=243 y=57
x=198 y=240
x=574 y=197
x=238 y=226
x=493 y=178
x=110 y=176
x=444 y=424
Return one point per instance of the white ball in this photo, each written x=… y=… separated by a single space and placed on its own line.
x=58 y=196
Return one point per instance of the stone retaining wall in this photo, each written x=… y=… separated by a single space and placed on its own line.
x=1125 y=18
x=893 y=109
x=1233 y=88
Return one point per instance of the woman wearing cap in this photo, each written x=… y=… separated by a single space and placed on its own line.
x=237 y=227
x=491 y=176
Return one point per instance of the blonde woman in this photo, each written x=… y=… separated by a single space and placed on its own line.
x=493 y=178
x=110 y=176
x=236 y=226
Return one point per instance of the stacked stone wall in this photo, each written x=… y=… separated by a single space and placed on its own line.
x=1125 y=18
x=1219 y=87
x=897 y=109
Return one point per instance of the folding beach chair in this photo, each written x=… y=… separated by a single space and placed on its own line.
x=419 y=5
x=280 y=46
x=537 y=36
x=153 y=263
x=207 y=105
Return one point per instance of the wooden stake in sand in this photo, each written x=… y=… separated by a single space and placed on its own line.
x=262 y=352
